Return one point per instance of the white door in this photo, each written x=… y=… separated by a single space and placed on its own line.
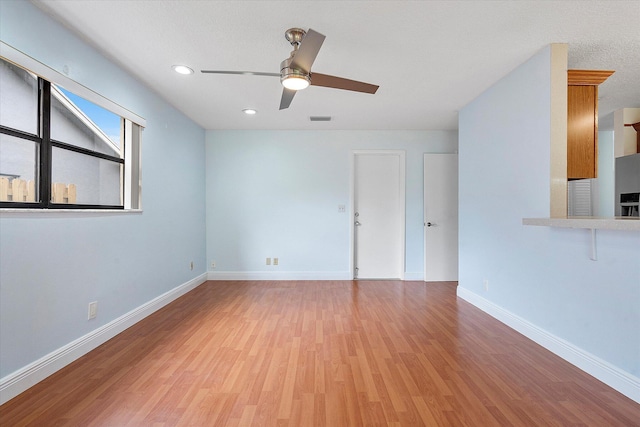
x=378 y=216
x=440 y=217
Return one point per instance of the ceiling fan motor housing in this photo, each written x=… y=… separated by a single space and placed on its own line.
x=286 y=71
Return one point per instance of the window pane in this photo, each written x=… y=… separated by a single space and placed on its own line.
x=18 y=163
x=79 y=122
x=85 y=180
x=19 y=99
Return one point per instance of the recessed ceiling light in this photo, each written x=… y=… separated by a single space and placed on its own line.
x=249 y=111
x=182 y=69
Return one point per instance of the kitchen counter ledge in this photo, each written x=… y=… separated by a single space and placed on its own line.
x=589 y=222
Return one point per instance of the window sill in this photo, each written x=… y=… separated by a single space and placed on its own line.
x=68 y=213
x=588 y=222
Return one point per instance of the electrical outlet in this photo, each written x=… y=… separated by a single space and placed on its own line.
x=275 y=261
x=341 y=208
x=485 y=284
x=268 y=261
x=93 y=310
x=191 y=265
x=213 y=265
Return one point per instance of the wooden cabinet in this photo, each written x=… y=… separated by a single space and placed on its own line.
x=582 y=132
x=582 y=122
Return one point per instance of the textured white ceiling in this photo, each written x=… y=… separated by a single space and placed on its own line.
x=430 y=58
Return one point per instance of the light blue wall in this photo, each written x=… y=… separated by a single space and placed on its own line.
x=276 y=194
x=52 y=265
x=541 y=274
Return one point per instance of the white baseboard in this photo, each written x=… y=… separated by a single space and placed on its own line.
x=622 y=381
x=19 y=381
x=279 y=275
x=294 y=275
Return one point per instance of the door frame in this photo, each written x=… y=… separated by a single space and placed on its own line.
x=402 y=155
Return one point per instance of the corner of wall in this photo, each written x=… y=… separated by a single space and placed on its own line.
x=558 y=137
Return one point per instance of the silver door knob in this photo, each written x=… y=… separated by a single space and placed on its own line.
x=357 y=223
x=429 y=224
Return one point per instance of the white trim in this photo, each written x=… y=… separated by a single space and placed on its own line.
x=279 y=275
x=20 y=380
x=21 y=59
x=129 y=167
x=294 y=275
x=622 y=381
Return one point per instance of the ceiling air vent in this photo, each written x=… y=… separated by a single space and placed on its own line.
x=320 y=118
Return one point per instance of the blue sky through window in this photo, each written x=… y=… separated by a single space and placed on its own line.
x=106 y=120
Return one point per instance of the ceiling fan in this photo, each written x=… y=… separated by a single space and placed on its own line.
x=295 y=71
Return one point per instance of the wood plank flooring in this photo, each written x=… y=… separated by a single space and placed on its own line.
x=343 y=353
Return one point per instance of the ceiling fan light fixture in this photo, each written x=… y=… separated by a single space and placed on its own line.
x=291 y=76
x=296 y=82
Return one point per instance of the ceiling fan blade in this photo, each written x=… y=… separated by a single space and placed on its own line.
x=326 y=80
x=287 y=97
x=308 y=50
x=246 y=73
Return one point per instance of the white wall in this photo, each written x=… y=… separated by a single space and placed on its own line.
x=53 y=264
x=276 y=194
x=542 y=276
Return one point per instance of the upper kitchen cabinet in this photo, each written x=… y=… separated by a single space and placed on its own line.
x=582 y=122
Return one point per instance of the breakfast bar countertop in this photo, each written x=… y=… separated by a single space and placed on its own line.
x=630 y=223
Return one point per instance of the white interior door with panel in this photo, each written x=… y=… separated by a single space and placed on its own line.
x=378 y=215
x=440 y=217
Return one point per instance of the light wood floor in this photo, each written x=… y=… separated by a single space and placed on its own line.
x=368 y=353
